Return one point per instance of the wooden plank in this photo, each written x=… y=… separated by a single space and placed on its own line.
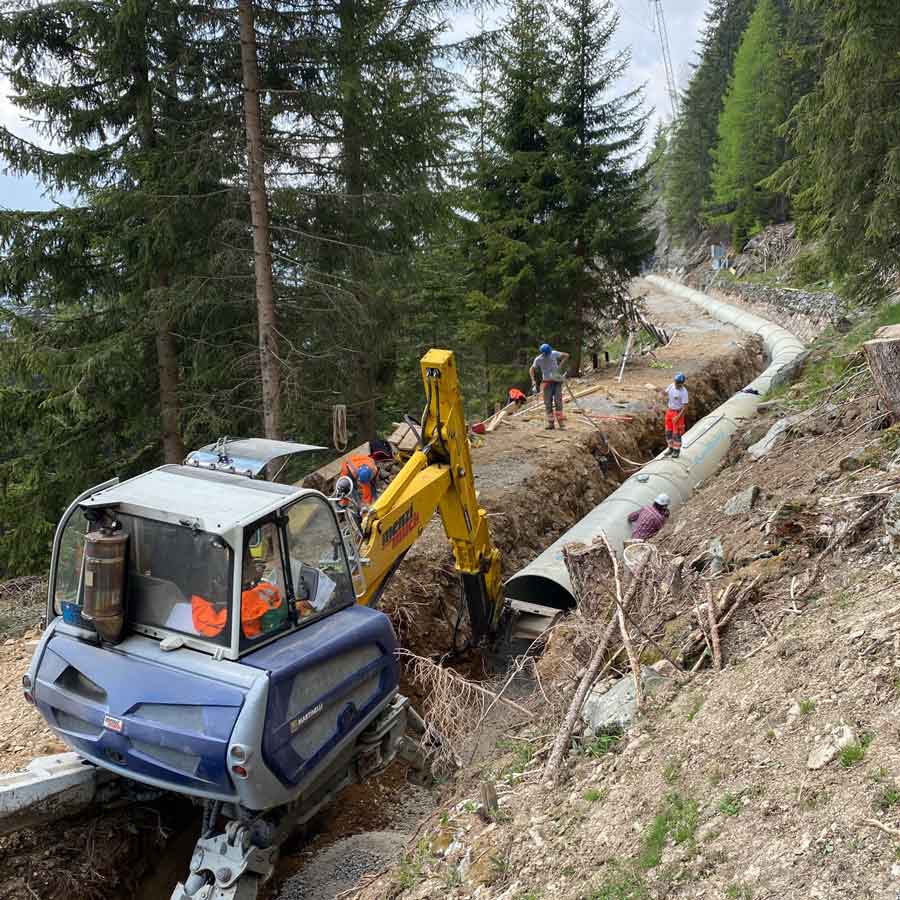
x=333 y=469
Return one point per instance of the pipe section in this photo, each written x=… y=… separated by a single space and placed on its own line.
x=545 y=580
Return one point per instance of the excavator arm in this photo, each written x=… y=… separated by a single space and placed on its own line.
x=438 y=477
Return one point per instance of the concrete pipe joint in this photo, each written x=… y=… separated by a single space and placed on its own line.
x=545 y=581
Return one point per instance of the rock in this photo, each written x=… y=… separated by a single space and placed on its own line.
x=824 y=477
x=776 y=435
x=614 y=709
x=741 y=504
x=853 y=461
x=712 y=560
x=890 y=519
x=794 y=520
x=840 y=737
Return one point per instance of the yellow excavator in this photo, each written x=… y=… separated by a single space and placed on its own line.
x=213 y=634
x=438 y=476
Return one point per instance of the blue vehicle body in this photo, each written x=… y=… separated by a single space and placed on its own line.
x=170 y=719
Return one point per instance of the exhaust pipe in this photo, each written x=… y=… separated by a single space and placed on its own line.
x=543 y=587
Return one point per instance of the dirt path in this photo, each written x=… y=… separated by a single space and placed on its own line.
x=534 y=484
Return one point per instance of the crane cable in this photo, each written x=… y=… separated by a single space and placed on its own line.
x=339 y=435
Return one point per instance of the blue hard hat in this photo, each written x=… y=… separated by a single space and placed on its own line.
x=545 y=349
x=679 y=378
x=365 y=474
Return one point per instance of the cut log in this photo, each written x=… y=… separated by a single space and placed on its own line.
x=883 y=354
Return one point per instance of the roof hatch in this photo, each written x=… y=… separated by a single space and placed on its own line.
x=247 y=456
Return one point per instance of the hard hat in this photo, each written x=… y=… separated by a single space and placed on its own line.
x=545 y=349
x=364 y=474
x=679 y=378
x=662 y=500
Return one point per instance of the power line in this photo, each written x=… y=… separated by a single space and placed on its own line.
x=658 y=17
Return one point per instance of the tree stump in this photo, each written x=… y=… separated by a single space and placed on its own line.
x=883 y=354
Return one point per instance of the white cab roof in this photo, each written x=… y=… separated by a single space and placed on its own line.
x=211 y=501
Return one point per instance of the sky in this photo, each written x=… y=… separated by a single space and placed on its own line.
x=684 y=19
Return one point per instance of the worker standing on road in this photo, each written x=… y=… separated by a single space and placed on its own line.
x=645 y=522
x=547 y=365
x=677 y=397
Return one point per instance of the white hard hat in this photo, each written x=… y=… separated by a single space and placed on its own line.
x=662 y=500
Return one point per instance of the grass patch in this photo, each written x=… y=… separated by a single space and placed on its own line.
x=730 y=804
x=593 y=795
x=621 y=882
x=888 y=797
x=738 y=891
x=807 y=707
x=695 y=707
x=601 y=744
x=522 y=753
x=412 y=866
x=855 y=752
x=677 y=820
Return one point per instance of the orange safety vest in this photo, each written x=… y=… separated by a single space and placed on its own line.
x=255 y=603
x=351 y=468
x=207 y=620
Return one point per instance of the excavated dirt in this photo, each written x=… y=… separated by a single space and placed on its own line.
x=533 y=483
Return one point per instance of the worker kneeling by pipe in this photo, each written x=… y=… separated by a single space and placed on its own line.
x=645 y=522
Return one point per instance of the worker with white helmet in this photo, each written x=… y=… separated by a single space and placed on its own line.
x=645 y=522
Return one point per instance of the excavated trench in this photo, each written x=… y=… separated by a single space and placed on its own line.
x=532 y=496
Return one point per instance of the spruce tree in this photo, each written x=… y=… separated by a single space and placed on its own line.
x=515 y=254
x=605 y=201
x=102 y=295
x=750 y=146
x=695 y=132
x=846 y=136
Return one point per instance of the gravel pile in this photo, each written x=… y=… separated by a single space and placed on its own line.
x=340 y=866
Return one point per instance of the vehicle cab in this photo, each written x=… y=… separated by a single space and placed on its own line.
x=228 y=659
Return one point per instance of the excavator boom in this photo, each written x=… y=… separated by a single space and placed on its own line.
x=438 y=477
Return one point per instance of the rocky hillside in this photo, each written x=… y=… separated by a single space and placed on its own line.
x=777 y=776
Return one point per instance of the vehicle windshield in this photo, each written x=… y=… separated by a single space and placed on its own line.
x=178 y=579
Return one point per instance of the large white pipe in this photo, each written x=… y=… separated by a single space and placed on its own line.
x=545 y=581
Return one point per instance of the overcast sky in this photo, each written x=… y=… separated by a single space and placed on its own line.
x=683 y=18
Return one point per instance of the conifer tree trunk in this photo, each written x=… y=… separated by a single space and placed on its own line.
x=354 y=185
x=259 y=217
x=169 y=409
x=166 y=347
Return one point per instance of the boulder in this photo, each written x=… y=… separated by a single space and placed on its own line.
x=614 y=709
x=830 y=746
x=890 y=518
x=776 y=435
x=741 y=504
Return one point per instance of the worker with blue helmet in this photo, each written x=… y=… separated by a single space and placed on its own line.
x=676 y=406
x=547 y=366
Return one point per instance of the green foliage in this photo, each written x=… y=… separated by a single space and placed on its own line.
x=888 y=797
x=730 y=804
x=738 y=891
x=592 y=795
x=855 y=752
x=845 y=133
x=807 y=707
x=601 y=744
x=688 y=187
x=750 y=147
x=676 y=820
x=621 y=881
